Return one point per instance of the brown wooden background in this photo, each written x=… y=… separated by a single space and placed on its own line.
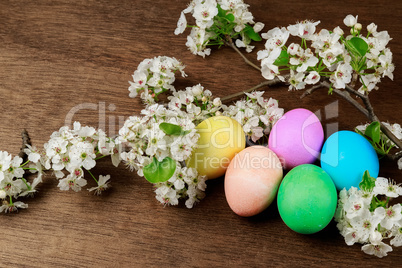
x=55 y=55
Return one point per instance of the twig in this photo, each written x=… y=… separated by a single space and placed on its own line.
x=347 y=97
x=373 y=117
x=395 y=156
x=311 y=90
x=366 y=102
x=368 y=110
x=355 y=92
x=229 y=43
x=25 y=140
x=267 y=83
x=355 y=76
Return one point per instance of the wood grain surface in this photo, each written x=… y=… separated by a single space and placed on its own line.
x=57 y=55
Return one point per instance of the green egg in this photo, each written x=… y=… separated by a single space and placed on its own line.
x=307 y=199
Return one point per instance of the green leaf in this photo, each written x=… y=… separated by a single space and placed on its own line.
x=357 y=46
x=221 y=12
x=373 y=135
x=160 y=171
x=230 y=17
x=283 y=59
x=172 y=129
x=249 y=31
x=373 y=131
x=368 y=182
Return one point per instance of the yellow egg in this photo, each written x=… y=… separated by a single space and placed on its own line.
x=252 y=180
x=221 y=138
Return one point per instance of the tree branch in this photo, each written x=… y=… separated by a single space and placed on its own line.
x=25 y=140
x=229 y=43
x=311 y=90
x=373 y=117
x=267 y=83
x=347 y=97
x=368 y=110
x=395 y=156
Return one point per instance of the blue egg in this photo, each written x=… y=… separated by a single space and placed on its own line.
x=345 y=156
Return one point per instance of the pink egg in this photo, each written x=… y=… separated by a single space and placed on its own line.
x=252 y=180
x=297 y=138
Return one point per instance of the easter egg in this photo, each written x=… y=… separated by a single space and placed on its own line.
x=297 y=138
x=252 y=180
x=345 y=156
x=307 y=199
x=221 y=138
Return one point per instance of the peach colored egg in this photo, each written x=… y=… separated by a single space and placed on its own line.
x=252 y=180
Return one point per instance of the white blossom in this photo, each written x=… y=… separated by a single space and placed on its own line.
x=103 y=184
x=181 y=24
x=359 y=222
x=276 y=38
x=342 y=75
x=384 y=187
x=296 y=80
x=197 y=42
x=257 y=115
x=350 y=20
x=204 y=12
x=12 y=207
x=72 y=182
x=397 y=240
x=304 y=59
x=392 y=217
x=33 y=153
x=154 y=76
x=380 y=250
x=304 y=29
x=312 y=78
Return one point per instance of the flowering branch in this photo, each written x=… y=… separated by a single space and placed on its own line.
x=368 y=110
x=365 y=217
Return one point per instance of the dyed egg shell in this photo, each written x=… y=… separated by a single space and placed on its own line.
x=252 y=180
x=221 y=138
x=297 y=138
x=345 y=156
x=307 y=199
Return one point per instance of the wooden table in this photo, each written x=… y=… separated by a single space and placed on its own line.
x=56 y=55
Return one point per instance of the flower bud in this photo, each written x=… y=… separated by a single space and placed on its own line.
x=338 y=30
x=358 y=27
x=204 y=99
x=197 y=90
x=258 y=27
x=372 y=28
x=217 y=102
x=3 y=194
